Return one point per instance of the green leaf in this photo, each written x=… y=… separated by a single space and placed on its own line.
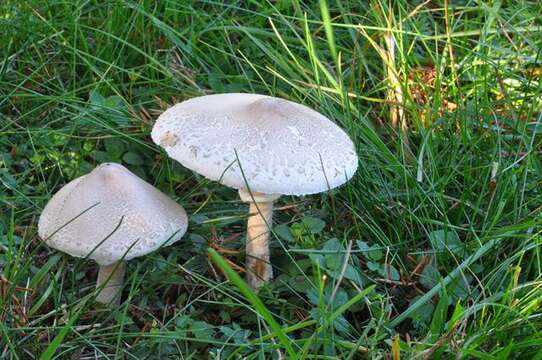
x=101 y=156
x=317 y=259
x=313 y=225
x=113 y=102
x=114 y=147
x=363 y=246
x=341 y=297
x=199 y=218
x=202 y=330
x=374 y=266
x=373 y=253
x=430 y=276
x=298 y=231
x=350 y=273
x=182 y=322
x=299 y=267
x=334 y=253
x=422 y=313
x=389 y=271
x=121 y=318
x=348 y=304
x=283 y=231
x=7 y=179
x=95 y=98
x=235 y=333
x=446 y=241
x=298 y=283
x=313 y=296
x=116 y=111
x=198 y=242
x=133 y=158
x=447 y=280
x=215 y=83
x=460 y=288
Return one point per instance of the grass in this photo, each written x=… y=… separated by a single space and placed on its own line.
x=433 y=250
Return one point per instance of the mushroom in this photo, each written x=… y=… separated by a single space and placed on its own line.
x=110 y=215
x=263 y=146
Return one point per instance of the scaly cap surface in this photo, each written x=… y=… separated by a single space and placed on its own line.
x=88 y=209
x=283 y=147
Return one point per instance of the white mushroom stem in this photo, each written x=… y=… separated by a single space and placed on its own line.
x=260 y=218
x=111 y=278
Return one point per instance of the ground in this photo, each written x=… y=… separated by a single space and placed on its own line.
x=433 y=250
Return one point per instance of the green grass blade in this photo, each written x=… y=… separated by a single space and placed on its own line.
x=57 y=341
x=448 y=279
x=350 y=302
x=324 y=10
x=259 y=307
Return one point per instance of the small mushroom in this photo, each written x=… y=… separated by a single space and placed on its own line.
x=264 y=147
x=110 y=215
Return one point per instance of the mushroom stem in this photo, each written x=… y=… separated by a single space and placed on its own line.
x=260 y=218
x=111 y=278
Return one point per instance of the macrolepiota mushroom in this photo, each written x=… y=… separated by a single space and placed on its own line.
x=110 y=215
x=264 y=147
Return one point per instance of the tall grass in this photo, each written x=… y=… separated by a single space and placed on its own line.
x=431 y=251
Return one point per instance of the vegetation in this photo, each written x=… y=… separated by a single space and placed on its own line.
x=433 y=250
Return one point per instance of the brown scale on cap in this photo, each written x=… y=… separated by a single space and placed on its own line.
x=168 y=139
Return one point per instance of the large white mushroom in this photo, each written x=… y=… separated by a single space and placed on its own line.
x=265 y=147
x=110 y=215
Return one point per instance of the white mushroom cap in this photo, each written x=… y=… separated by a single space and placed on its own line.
x=88 y=209
x=283 y=147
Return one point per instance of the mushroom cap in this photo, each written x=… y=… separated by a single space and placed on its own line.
x=283 y=147
x=81 y=219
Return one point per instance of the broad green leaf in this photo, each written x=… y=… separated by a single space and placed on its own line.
x=430 y=276
x=121 y=318
x=283 y=231
x=95 y=98
x=446 y=241
x=422 y=313
x=373 y=253
x=133 y=158
x=114 y=147
x=313 y=225
x=198 y=242
x=373 y=266
x=334 y=254
x=389 y=271
x=202 y=330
